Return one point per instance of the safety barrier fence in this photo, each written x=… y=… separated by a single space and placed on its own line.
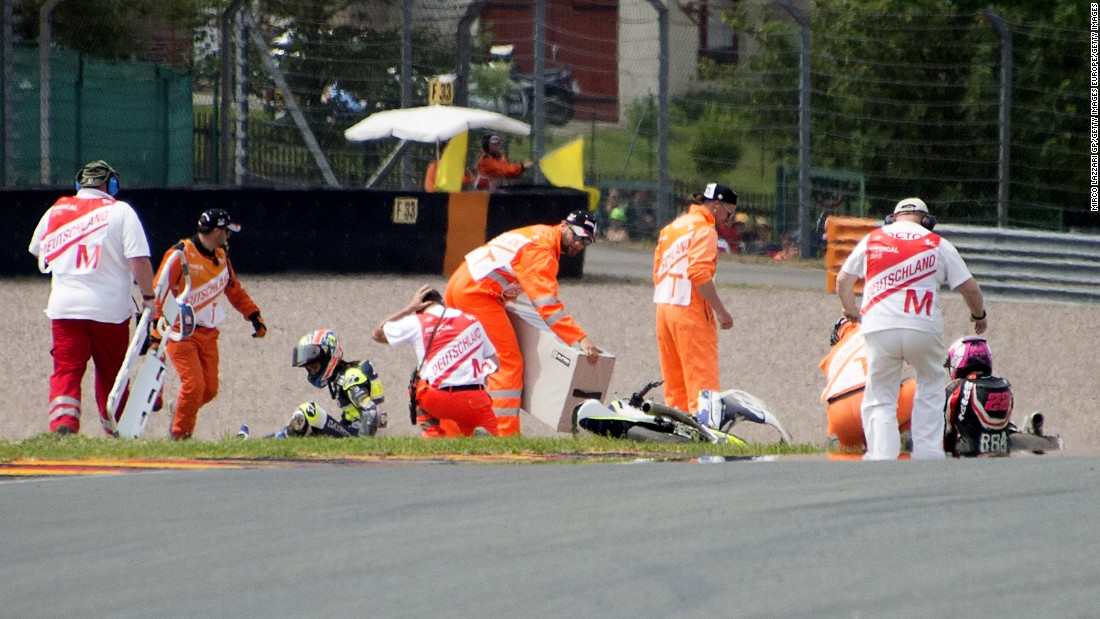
x=1006 y=262
x=1026 y=263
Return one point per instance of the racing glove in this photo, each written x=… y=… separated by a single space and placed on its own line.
x=258 y=324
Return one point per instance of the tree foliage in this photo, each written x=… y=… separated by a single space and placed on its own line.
x=715 y=143
x=113 y=29
x=907 y=92
x=322 y=42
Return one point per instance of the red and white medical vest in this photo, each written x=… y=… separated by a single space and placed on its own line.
x=460 y=352
x=901 y=282
x=85 y=242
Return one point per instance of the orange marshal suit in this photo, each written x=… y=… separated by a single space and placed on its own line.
x=687 y=333
x=845 y=370
x=522 y=260
x=195 y=358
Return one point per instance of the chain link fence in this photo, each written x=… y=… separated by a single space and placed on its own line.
x=981 y=114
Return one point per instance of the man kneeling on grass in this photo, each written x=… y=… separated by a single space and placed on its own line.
x=454 y=356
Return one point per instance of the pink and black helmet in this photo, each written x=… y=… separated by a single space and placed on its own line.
x=967 y=355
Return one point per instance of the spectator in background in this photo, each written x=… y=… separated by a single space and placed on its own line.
x=493 y=168
x=741 y=224
x=642 y=217
x=763 y=245
x=818 y=241
x=612 y=199
x=748 y=233
x=95 y=248
x=729 y=235
x=617 y=229
x=788 y=246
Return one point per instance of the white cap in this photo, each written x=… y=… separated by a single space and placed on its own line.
x=911 y=205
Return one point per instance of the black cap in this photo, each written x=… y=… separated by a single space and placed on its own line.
x=582 y=224
x=217 y=218
x=714 y=191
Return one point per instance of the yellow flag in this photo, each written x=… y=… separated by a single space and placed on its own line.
x=593 y=198
x=565 y=166
x=452 y=165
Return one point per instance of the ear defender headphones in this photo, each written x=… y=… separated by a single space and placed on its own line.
x=112 y=176
x=112 y=184
x=928 y=222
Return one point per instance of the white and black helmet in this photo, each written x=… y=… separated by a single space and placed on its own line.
x=217 y=218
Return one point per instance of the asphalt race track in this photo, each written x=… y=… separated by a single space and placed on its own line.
x=1011 y=537
x=792 y=537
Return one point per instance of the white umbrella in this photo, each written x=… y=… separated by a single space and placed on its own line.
x=432 y=123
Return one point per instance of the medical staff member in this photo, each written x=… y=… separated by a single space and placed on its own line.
x=95 y=249
x=903 y=264
x=454 y=359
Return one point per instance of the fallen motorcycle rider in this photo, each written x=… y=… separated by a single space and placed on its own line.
x=978 y=408
x=645 y=420
x=354 y=385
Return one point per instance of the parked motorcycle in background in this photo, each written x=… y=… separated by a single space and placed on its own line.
x=516 y=97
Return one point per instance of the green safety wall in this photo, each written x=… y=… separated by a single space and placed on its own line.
x=137 y=116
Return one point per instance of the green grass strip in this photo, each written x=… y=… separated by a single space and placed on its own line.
x=586 y=447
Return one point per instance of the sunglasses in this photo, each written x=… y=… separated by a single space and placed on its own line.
x=585 y=240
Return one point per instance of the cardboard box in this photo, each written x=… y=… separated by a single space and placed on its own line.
x=556 y=376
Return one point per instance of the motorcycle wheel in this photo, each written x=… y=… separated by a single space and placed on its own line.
x=641 y=433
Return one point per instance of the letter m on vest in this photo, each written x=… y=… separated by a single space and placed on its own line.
x=913 y=305
x=86 y=260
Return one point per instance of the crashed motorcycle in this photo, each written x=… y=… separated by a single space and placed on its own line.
x=639 y=419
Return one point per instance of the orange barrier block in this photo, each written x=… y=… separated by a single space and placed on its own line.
x=842 y=234
x=467 y=213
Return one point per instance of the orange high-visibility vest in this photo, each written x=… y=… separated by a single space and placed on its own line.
x=686 y=257
x=527 y=259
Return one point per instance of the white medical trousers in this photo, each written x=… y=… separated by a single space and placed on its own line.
x=886 y=350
